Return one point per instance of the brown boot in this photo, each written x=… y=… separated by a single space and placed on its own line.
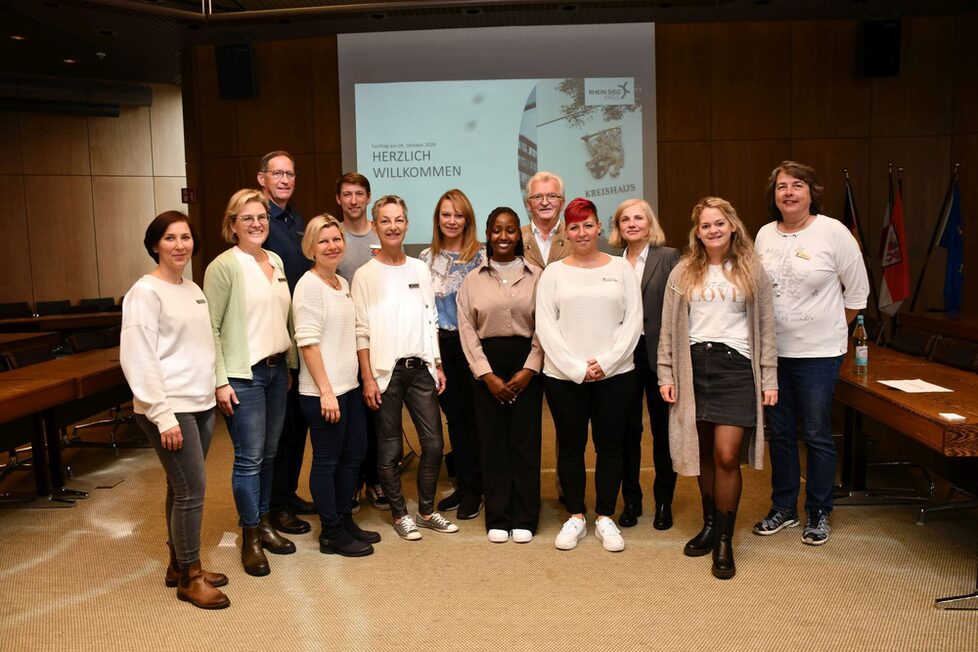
x=193 y=589
x=173 y=572
x=252 y=556
x=271 y=540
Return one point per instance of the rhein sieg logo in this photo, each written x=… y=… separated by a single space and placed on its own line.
x=609 y=90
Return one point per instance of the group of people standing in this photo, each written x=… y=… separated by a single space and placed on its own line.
x=715 y=340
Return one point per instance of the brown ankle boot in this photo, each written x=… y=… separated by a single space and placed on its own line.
x=271 y=540
x=252 y=556
x=173 y=572
x=193 y=589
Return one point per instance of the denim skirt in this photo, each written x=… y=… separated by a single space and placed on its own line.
x=723 y=382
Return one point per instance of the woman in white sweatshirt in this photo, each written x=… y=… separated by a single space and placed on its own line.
x=167 y=355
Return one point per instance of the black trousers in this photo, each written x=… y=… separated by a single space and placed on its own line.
x=368 y=470
x=456 y=403
x=509 y=440
x=664 y=485
x=291 y=448
x=599 y=403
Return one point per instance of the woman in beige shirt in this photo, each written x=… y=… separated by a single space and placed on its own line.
x=496 y=307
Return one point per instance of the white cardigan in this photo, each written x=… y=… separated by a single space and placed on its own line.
x=373 y=299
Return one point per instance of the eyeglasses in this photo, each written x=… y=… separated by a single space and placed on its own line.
x=552 y=197
x=398 y=221
x=248 y=220
x=278 y=174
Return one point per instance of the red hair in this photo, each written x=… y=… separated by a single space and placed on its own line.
x=579 y=210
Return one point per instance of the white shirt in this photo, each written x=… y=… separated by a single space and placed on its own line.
x=588 y=313
x=639 y=268
x=544 y=242
x=718 y=313
x=327 y=318
x=816 y=273
x=267 y=306
x=167 y=349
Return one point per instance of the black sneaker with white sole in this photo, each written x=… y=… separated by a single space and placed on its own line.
x=775 y=521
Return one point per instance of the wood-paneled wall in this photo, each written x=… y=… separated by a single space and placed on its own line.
x=78 y=193
x=734 y=99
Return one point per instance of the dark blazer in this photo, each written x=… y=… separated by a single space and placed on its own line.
x=559 y=248
x=658 y=265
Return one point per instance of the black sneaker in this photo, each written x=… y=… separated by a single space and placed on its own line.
x=775 y=521
x=469 y=508
x=817 y=529
x=451 y=503
x=376 y=495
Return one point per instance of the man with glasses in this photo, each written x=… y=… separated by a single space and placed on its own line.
x=276 y=176
x=543 y=238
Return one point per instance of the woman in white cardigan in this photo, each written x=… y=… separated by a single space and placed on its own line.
x=717 y=368
x=325 y=330
x=588 y=320
x=167 y=355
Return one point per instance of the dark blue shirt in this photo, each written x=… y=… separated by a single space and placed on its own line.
x=285 y=229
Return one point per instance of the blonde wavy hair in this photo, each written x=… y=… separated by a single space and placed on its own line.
x=657 y=236
x=741 y=254
x=235 y=204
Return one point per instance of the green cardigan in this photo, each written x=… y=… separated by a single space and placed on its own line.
x=224 y=289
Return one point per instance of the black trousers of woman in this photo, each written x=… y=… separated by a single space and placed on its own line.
x=509 y=440
x=664 y=485
x=456 y=403
x=599 y=403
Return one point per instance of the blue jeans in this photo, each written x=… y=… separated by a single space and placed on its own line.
x=805 y=390
x=255 y=428
x=337 y=452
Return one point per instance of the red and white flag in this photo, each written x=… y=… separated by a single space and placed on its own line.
x=893 y=255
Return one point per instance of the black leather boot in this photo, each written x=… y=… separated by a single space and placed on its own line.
x=367 y=536
x=271 y=540
x=702 y=543
x=723 y=557
x=338 y=541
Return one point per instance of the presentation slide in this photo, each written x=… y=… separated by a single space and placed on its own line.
x=487 y=134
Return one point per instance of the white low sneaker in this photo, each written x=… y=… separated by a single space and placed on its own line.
x=609 y=534
x=522 y=536
x=498 y=536
x=574 y=530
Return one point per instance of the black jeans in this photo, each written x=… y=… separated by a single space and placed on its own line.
x=186 y=478
x=574 y=406
x=456 y=403
x=416 y=388
x=664 y=485
x=291 y=449
x=509 y=440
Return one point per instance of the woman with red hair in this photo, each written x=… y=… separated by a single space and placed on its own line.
x=588 y=320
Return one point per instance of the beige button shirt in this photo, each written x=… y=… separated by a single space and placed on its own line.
x=487 y=307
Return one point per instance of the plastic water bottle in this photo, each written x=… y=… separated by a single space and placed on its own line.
x=861 y=346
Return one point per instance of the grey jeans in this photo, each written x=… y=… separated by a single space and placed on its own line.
x=415 y=388
x=185 y=480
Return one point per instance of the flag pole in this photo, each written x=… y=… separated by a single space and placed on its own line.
x=850 y=196
x=936 y=235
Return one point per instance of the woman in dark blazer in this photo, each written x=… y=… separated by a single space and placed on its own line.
x=635 y=227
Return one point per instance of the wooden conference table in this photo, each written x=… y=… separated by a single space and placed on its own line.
x=62 y=322
x=12 y=341
x=96 y=382
x=914 y=415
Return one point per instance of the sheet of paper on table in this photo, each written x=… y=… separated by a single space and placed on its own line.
x=915 y=386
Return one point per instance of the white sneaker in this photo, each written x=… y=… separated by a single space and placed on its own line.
x=498 y=536
x=522 y=536
x=609 y=534
x=573 y=531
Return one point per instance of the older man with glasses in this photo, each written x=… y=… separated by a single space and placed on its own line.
x=276 y=177
x=544 y=241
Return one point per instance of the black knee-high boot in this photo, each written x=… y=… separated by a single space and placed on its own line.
x=702 y=543
x=723 y=558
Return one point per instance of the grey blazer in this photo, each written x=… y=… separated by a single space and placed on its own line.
x=658 y=265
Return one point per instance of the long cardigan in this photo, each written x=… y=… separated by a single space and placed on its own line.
x=675 y=368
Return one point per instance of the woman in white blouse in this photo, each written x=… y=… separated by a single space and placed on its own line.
x=249 y=301
x=325 y=330
x=588 y=320
x=167 y=355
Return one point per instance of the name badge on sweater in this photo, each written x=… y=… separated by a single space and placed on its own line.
x=609 y=280
x=413 y=286
x=201 y=300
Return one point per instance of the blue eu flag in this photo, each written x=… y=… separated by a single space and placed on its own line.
x=953 y=241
